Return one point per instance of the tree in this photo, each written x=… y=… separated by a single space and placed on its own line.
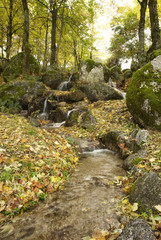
x=141 y=51
x=25 y=46
x=124 y=42
x=154 y=22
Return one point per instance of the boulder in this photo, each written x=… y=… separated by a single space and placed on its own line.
x=126 y=145
x=91 y=72
x=53 y=78
x=144 y=95
x=20 y=93
x=133 y=159
x=15 y=67
x=137 y=229
x=100 y=91
x=80 y=116
x=59 y=115
x=127 y=74
x=87 y=120
x=146 y=191
x=72 y=118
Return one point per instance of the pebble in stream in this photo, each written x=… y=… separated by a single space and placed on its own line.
x=86 y=204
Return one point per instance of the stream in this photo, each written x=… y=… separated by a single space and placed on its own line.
x=88 y=203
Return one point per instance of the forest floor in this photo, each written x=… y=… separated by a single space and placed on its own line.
x=35 y=162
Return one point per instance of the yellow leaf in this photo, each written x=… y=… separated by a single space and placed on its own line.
x=27 y=146
x=140 y=166
x=135 y=207
x=125 y=201
x=24 y=140
x=158 y=207
x=55 y=179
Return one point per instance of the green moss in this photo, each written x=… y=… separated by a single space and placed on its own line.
x=15 y=67
x=133 y=187
x=155 y=54
x=127 y=74
x=107 y=73
x=135 y=161
x=90 y=64
x=142 y=89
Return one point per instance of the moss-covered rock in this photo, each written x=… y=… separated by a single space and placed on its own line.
x=91 y=72
x=18 y=94
x=53 y=78
x=90 y=64
x=127 y=74
x=107 y=73
x=100 y=91
x=15 y=67
x=155 y=54
x=76 y=95
x=134 y=66
x=144 y=95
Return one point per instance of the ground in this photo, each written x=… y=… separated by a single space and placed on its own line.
x=35 y=162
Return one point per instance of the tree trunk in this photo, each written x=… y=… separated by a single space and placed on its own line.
x=25 y=46
x=54 y=13
x=61 y=33
x=9 y=30
x=141 y=52
x=46 y=42
x=154 y=21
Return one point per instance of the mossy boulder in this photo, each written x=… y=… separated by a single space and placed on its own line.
x=155 y=54
x=53 y=78
x=76 y=95
x=18 y=94
x=107 y=73
x=134 y=66
x=100 y=91
x=91 y=72
x=116 y=74
x=15 y=67
x=144 y=95
x=127 y=74
x=147 y=192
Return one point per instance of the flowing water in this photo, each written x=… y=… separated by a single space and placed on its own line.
x=87 y=203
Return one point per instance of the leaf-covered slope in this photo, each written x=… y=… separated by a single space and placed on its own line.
x=33 y=163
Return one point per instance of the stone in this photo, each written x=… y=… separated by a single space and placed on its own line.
x=15 y=67
x=144 y=95
x=137 y=229
x=133 y=159
x=53 y=78
x=146 y=191
x=100 y=91
x=87 y=120
x=91 y=72
x=20 y=93
x=59 y=115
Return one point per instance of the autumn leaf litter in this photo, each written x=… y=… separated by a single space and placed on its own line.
x=35 y=162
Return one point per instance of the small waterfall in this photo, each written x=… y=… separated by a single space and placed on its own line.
x=113 y=84
x=64 y=86
x=43 y=115
x=123 y=94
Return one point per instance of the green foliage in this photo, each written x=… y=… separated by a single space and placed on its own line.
x=135 y=161
x=124 y=41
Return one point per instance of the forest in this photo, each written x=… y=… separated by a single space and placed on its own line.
x=80 y=134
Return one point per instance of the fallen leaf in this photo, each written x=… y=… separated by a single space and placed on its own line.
x=158 y=207
x=135 y=207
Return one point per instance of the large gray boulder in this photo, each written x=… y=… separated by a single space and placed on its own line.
x=146 y=191
x=144 y=95
x=100 y=91
x=137 y=229
x=91 y=72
